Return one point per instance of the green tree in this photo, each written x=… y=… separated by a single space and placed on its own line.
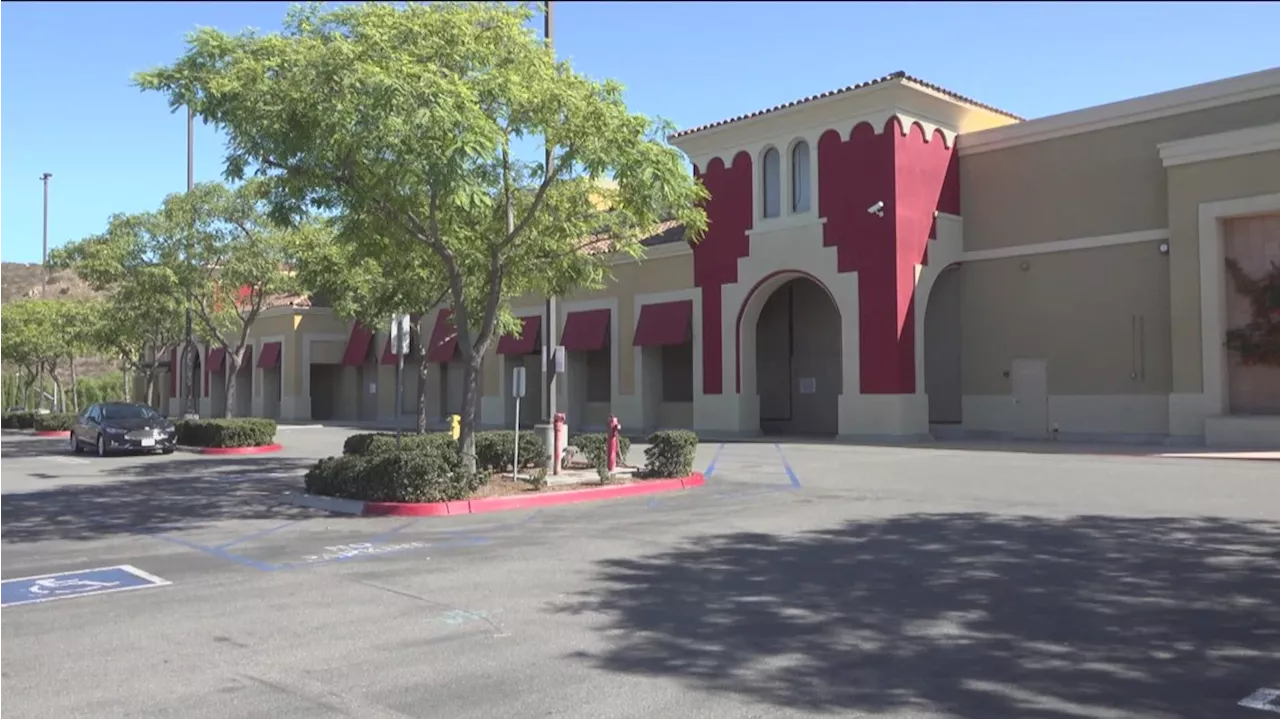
x=40 y=333
x=349 y=273
x=143 y=317
x=405 y=119
x=228 y=258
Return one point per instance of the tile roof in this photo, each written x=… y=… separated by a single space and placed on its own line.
x=662 y=234
x=899 y=75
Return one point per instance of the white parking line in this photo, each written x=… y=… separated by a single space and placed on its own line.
x=1268 y=700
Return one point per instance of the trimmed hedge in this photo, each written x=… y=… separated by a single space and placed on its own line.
x=59 y=422
x=236 y=432
x=382 y=442
x=494 y=450
x=407 y=476
x=595 y=447
x=19 y=420
x=670 y=453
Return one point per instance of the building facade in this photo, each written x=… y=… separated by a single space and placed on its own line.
x=892 y=261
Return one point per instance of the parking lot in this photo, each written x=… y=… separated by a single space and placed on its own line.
x=805 y=579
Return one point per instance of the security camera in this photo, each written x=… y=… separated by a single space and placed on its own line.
x=876 y=209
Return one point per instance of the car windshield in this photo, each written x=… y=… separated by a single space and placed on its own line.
x=127 y=411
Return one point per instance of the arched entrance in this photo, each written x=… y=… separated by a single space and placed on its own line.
x=799 y=363
x=942 y=377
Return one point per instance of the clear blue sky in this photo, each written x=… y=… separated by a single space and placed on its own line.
x=73 y=112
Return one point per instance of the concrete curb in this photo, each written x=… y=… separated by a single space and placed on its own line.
x=263 y=449
x=53 y=433
x=493 y=504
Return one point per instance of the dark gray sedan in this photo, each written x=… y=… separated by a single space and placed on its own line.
x=122 y=427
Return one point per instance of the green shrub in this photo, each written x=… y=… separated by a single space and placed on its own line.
x=670 y=453
x=57 y=422
x=495 y=450
x=595 y=447
x=409 y=476
x=19 y=420
x=237 y=432
x=380 y=442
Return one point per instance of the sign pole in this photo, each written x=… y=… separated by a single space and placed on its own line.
x=518 y=390
x=400 y=347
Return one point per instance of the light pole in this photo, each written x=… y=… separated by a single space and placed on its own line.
x=549 y=332
x=189 y=353
x=44 y=277
x=44 y=253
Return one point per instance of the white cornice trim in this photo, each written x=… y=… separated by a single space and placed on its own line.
x=1078 y=243
x=1141 y=109
x=1249 y=141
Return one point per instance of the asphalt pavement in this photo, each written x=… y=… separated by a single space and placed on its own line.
x=805 y=579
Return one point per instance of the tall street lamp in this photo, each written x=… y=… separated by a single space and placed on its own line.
x=189 y=352
x=44 y=253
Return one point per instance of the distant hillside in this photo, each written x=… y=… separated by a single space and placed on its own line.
x=19 y=280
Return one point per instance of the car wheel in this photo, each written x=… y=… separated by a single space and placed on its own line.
x=75 y=444
x=102 y=446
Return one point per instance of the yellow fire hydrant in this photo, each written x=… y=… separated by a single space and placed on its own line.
x=455 y=425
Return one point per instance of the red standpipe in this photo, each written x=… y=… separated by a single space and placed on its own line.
x=615 y=428
x=557 y=441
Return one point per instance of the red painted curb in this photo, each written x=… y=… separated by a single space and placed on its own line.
x=501 y=504
x=238 y=450
x=53 y=433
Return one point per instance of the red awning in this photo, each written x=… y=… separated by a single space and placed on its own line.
x=664 y=323
x=357 y=345
x=270 y=355
x=586 y=331
x=444 y=338
x=389 y=357
x=526 y=343
x=216 y=357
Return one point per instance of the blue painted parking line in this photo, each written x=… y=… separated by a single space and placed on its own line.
x=711 y=468
x=82 y=583
x=376 y=546
x=795 y=481
x=256 y=535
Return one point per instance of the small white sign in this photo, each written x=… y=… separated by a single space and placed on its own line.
x=808 y=385
x=560 y=359
x=517 y=382
x=373 y=388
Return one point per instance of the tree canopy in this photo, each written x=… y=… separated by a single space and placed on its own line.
x=403 y=122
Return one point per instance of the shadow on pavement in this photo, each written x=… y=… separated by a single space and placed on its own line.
x=155 y=497
x=966 y=615
x=29 y=446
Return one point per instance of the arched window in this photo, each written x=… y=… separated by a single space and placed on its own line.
x=800 y=177
x=772 y=183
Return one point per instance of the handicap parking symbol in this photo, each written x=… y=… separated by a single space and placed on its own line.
x=65 y=585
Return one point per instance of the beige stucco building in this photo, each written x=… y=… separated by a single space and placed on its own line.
x=893 y=260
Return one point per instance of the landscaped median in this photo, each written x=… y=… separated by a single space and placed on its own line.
x=56 y=424
x=426 y=477
x=239 y=435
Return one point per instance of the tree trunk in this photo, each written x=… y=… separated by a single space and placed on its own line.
x=231 y=368
x=470 y=409
x=150 y=379
x=75 y=388
x=124 y=382
x=423 y=367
